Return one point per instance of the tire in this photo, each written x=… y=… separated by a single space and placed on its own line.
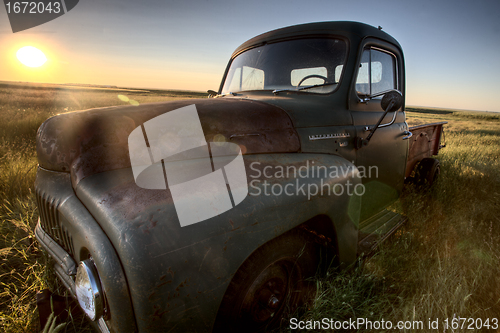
x=269 y=285
x=427 y=172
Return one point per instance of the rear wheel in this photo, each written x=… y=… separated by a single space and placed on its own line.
x=427 y=172
x=270 y=285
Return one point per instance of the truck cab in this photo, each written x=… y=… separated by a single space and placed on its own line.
x=212 y=214
x=330 y=78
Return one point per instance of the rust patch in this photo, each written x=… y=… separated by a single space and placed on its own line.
x=146 y=227
x=157 y=315
x=182 y=285
x=164 y=283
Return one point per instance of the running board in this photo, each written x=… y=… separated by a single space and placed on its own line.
x=376 y=229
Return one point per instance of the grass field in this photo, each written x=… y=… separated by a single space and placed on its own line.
x=442 y=264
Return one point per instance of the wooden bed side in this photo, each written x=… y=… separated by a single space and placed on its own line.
x=425 y=142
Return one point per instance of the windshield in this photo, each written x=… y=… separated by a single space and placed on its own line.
x=312 y=65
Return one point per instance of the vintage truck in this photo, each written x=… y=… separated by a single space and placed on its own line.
x=211 y=214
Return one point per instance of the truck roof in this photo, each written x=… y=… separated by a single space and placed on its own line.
x=343 y=28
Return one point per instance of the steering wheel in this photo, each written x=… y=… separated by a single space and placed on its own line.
x=311 y=76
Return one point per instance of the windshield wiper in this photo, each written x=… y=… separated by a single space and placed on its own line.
x=277 y=91
x=317 y=85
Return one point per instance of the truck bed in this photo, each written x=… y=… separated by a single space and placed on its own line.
x=425 y=142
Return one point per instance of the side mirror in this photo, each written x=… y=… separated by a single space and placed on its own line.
x=392 y=101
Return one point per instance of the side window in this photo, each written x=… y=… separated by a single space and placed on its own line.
x=377 y=72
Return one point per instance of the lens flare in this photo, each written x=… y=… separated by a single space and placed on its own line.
x=31 y=56
x=123 y=98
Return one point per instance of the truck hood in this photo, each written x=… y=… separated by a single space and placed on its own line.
x=94 y=141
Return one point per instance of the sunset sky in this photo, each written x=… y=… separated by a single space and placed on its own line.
x=451 y=48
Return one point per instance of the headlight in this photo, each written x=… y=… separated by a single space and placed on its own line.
x=88 y=290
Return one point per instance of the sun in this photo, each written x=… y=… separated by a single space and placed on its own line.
x=31 y=56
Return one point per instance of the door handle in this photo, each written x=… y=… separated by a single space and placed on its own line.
x=407 y=134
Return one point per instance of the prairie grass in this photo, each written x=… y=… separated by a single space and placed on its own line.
x=443 y=263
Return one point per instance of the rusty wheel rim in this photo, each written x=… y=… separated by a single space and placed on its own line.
x=270 y=294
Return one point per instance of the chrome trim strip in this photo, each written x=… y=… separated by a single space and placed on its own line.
x=66 y=280
x=329 y=136
x=64 y=266
x=55 y=250
x=101 y=324
x=391 y=122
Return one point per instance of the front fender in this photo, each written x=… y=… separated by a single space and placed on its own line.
x=70 y=234
x=178 y=275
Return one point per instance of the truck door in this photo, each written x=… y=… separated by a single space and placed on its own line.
x=382 y=162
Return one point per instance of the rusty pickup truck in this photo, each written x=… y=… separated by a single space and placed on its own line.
x=210 y=214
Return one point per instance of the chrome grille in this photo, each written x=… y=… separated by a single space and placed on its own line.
x=50 y=222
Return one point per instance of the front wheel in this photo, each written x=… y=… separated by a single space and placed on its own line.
x=270 y=285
